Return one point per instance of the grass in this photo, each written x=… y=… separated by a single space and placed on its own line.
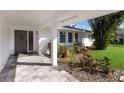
x=114 y=52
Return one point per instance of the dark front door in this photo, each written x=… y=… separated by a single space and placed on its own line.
x=20 y=41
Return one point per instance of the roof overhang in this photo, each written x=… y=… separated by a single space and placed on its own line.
x=40 y=18
x=76 y=16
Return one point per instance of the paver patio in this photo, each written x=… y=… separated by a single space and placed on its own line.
x=27 y=70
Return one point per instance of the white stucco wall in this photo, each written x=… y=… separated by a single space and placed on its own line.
x=80 y=34
x=45 y=36
x=86 y=40
x=7 y=40
x=121 y=34
x=21 y=27
x=4 y=43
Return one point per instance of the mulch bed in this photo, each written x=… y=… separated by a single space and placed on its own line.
x=85 y=76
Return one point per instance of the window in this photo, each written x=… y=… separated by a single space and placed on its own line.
x=30 y=40
x=62 y=37
x=76 y=37
x=70 y=37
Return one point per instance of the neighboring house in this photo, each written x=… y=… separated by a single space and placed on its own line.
x=69 y=35
x=120 y=36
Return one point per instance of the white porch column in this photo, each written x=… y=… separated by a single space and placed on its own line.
x=73 y=37
x=66 y=37
x=54 y=44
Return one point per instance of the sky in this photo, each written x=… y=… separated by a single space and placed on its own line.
x=85 y=25
x=122 y=25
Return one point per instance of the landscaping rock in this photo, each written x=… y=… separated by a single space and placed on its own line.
x=121 y=78
x=85 y=76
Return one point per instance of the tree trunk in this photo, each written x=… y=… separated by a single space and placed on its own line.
x=99 y=40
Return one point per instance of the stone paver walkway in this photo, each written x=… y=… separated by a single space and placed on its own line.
x=30 y=71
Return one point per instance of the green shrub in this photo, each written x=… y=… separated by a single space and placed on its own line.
x=99 y=65
x=93 y=64
x=105 y=65
x=77 y=48
x=87 y=62
x=73 y=57
x=62 y=51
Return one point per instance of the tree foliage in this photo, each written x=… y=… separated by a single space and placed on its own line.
x=104 y=28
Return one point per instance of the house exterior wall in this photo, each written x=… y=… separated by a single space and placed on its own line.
x=86 y=39
x=21 y=27
x=45 y=37
x=83 y=37
x=4 y=43
x=120 y=36
x=66 y=32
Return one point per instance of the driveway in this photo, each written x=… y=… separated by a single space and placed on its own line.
x=33 y=68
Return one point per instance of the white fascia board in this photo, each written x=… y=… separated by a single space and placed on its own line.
x=76 y=16
x=65 y=17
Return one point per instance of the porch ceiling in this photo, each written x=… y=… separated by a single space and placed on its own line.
x=42 y=17
x=27 y=17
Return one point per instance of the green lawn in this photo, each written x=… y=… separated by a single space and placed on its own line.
x=114 y=52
